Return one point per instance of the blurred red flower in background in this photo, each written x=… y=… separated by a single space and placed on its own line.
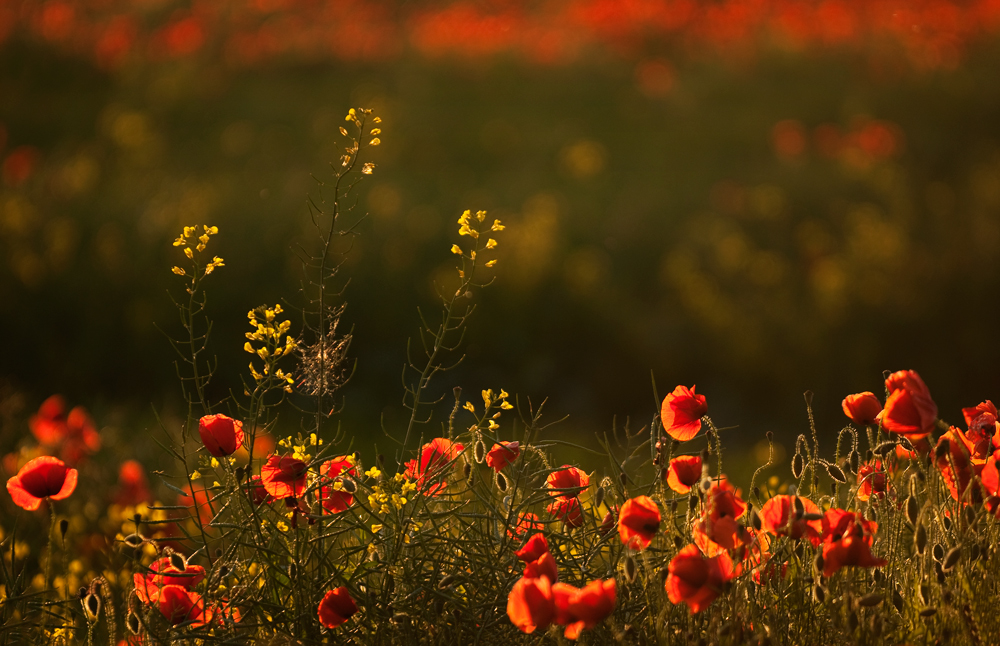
x=74 y=433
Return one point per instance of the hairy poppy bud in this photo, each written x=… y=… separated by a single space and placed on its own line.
x=480 y=451
x=501 y=481
x=132 y=622
x=946 y=521
x=951 y=558
x=797 y=465
x=854 y=460
x=928 y=612
x=630 y=568
x=178 y=561
x=897 y=600
x=836 y=473
x=912 y=510
x=870 y=600
x=599 y=497
x=92 y=606
x=938 y=552
x=134 y=540
x=819 y=594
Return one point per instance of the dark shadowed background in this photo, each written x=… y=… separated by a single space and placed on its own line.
x=755 y=197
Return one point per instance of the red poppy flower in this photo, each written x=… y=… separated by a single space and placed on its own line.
x=220 y=434
x=779 y=517
x=435 y=458
x=336 y=607
x=178 y=605
x=683 y=473
x=530 y=604
x=991 y=483
x=681 y=413
x=133 y=487
x=847 y=540
x=502 y=454
x=609 y=522
x=198 y=499
x=984 y=430
x=43 y=477
x=862 y=408
x=533 y=549
x=953 y=456
x=717 y=528
x=909 y=410
x=284 y=477
x=583 y=608
x=638 y=522
x=544 y=565
x=567 y=510
x=332 y=498
x=696 y=579
x=872 y=480
x=567 y=481
x=74 y=433
x=526 y=522
x=163 y=573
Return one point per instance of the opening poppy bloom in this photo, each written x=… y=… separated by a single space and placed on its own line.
x=681 y=413
x=336 y=607
x=435 y=458
x=717 y=529
x=568 y=510
x=333 y=497
x=638 y=522
x=695 y=579
x=921 y=447
x=847 y=541
x=530 y=604
x=872 y=480
x=778 y=516
x=220 y=434
x=683 y=473
x=502 y=454
x=567 y=481
x=41 y=478
x=991 y=483
x=163 y=573
x=74 y=433
x=583 y=608
x=178 y=605
x=284 y=476
x=953 y=457
x=526 y=522
x=257 y=492
x=909 y=410
x=609 y=522
x=544 y=565
x=984 y=430
x=533 y=549
x=862 y=408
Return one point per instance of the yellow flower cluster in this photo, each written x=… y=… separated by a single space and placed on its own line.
x=275 y=340
x=300 y=447
x=381 y=497
x=466 y=228
x=189 y=237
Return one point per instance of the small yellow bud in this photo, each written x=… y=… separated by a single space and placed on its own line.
x=195 y=474
x=376 y=131
x=497 y=226
x=374 y=142
x=480 y=215
x=491 y=244
x=376 y=528
x=215 y=463
x=178 y=271
x=368 y=168
x=472 y=255
x=377 y=120
x=491 y=263
x=343 y=131
x=188 y=252
x=455 y=249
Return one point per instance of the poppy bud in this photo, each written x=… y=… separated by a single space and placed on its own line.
x=818 y=562
x=946 y=521
x=599 y=497
x=692 y=503
x=446 y=581
x=852 y=620
x=797 y=466
x=349 y=485
x=63 y=527
x=132 y=621
x=630 y=568
x=870 y=600
x=800 y=508
x=836 y=473
x=92 y=606
x=920 y=538
x=480 y=451
x=755 y=519
x=178 y=561
x=134 y=540
x=819 y=594
x=951 y=558
x=928 y=612
x=380 y=459
x=885 y=448
x=912 y=510
x=970 y=516
x=623 y=479
x=501 y=480
x=897 y=600
x=974 y=552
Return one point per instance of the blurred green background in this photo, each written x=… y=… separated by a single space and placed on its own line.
x=755 y=197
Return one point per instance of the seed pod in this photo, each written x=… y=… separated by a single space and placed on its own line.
x=946 y=521
x=630 y=568
x=132 y=622
x=599 y=497
x=178 y=561
x=912 y=509
x=939 y=573
x=938 y=552
x=951 y=558
x=92 y=606
x=480 y=451
x=920 y=539
x=292 y=570
x=797 y=466
x=924 y=591
x=224 y=570
x=836 y=473
x=819 y=594
x=928 y=612
x=870 y=600
x=501 y=482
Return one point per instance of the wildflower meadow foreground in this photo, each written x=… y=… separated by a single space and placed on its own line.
x=466 y=526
